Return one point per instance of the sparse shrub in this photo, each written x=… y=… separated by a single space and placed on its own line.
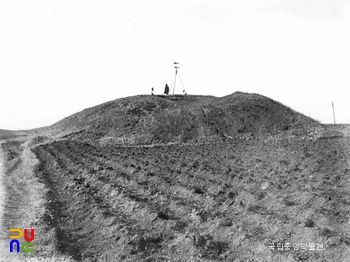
x=326 y=232
x=309 y=223
x=226 y=223
x=261 y=195
x=232 y=194
x=208 y=247
x=288 y=202
x=197 y=190
x=146 y=244
x=179 y=226
x=162 y=215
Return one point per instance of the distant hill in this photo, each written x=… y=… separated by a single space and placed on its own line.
x=5 y=134
x=146 y=119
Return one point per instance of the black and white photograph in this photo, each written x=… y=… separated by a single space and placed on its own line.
x=175 y=131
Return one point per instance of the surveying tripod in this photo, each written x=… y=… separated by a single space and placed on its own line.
x=176 y=66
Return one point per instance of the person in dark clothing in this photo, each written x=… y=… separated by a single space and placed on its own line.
x=152 y=93
x=166 y=90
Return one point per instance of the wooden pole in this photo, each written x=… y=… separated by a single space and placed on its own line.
x=333 y=113
x=176 y=66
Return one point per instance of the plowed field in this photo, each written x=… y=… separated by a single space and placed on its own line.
x=224 y=201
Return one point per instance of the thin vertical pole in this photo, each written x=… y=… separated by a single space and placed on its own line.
x=175 y=81
x=333 y=113
x=176 y=66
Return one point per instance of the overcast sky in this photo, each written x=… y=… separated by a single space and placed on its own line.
x=59 y=57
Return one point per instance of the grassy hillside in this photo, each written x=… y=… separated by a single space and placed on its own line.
x=163 y=119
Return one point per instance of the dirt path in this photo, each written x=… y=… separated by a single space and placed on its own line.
x=2 y=197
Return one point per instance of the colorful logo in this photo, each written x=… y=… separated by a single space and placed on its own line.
x=27 y=246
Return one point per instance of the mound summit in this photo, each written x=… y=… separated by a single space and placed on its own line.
x=146 y=119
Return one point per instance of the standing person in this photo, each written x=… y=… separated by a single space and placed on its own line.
x=152 y=93
x=166 y=90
